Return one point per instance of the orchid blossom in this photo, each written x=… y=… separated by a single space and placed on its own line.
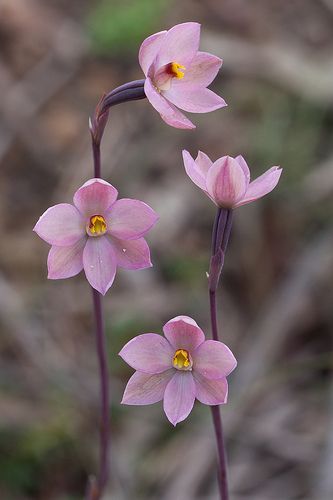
x=97 y=234
x=177 y=74
x=179 y=368
x=227 y=180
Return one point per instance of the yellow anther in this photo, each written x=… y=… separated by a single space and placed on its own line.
x=96 y=226
x=175 y=70
x=182 y=360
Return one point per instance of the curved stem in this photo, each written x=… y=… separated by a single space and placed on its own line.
x=220 y=238
x=132 y=91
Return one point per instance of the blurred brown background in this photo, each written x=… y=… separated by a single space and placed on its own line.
x=275 y=303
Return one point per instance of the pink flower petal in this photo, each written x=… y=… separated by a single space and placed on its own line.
x=226 y=182
x=201 y=72
x=60 y=225
x=197 y=169
x=146 y=389
x=148 y=353
x=196 y=100
x=132 y=254
x=148 y=50
x=179 y=397
x=130 y=219
x=261 y=186
x=100 y=263
x=204 y=162
x=180 y=44
x=210 y=392
x=183 y=333
x=245 y=167
x=168 y=112
x=65 y=262
x=213 y=360
x=95 y=197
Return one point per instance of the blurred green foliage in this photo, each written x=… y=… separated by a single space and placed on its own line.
x=118 y=27
x=186 y=271
x=26 y=455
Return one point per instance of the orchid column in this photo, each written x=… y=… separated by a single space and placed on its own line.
x=227 y=183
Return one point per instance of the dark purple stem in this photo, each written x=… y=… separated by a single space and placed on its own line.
x=97 y=158
x=222 y=472
x=95 y=486
x=220 y=238
x=132 y=91
x=104 y=377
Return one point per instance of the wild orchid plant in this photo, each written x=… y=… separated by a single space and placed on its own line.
x=98 y=233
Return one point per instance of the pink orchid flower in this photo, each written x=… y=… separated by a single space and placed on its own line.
x=97 y=234
x=177 y=74
x=179 y=369
x=227 y=180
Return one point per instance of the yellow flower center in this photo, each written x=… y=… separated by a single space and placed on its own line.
x=175 y=70
x=96 y=226
x=182 y=360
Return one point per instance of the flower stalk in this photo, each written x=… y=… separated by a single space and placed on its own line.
x=131 y=91
x=98 y=487
x=221 y=232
